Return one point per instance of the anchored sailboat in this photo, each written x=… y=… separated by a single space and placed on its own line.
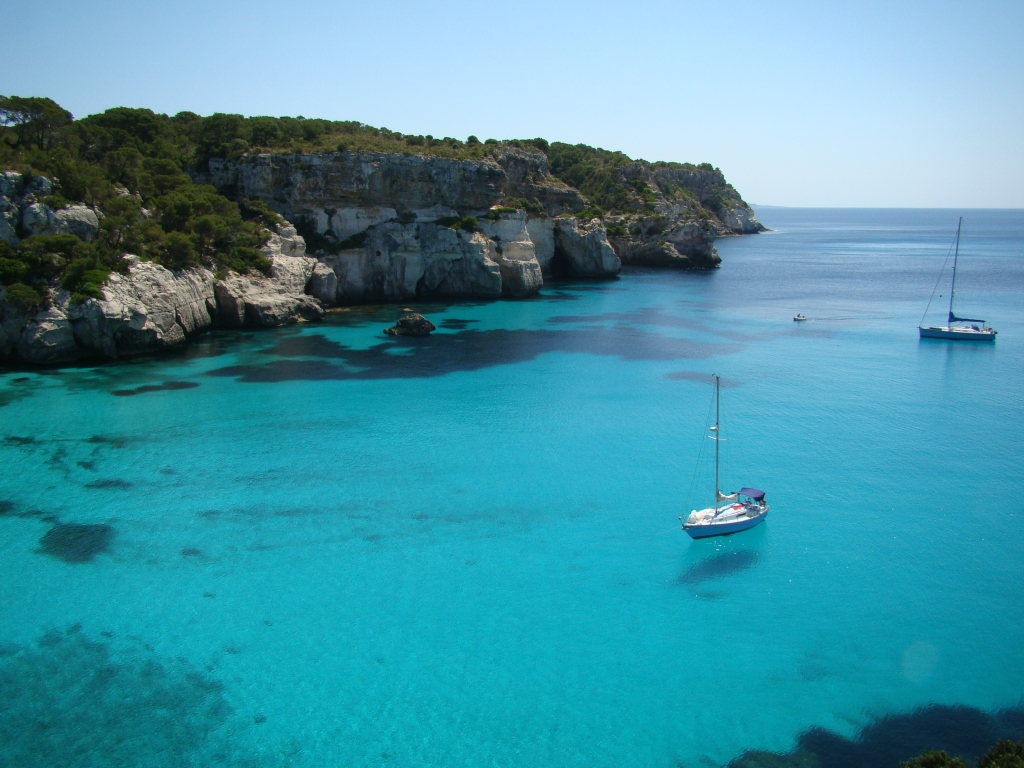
x=960 y=331
x=745 y=508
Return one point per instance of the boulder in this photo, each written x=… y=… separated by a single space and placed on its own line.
x=582 y=249
x=519 y=279
x=48 y=338
x=149 y=309
x=285 y=242
x=11 y=184
x=40 y=186
x=268 y=302
x=323 y=284
x=270 y=310
x=8 y=224
x=38 y=219
x=230 y=295
x=414 y=324
x=78 y=220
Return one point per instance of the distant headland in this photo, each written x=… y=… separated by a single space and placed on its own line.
x=129 y=231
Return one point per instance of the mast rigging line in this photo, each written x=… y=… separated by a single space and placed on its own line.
x=700 y=455
x=939 y=278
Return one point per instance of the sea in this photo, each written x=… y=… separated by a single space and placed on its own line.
x=323 y=546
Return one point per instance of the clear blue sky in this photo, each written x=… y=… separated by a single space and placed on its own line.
x=818 y=104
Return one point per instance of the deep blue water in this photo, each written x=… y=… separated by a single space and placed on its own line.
x=335 y=548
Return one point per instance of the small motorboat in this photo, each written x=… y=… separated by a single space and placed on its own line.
x=799 y=318
x=742 y=510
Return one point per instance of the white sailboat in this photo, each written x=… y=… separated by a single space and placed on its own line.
x=963 y=328
x=742 y=510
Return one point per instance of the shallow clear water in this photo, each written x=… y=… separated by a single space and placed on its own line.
x=335 y=548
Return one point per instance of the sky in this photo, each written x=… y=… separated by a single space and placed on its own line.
x=863 y=104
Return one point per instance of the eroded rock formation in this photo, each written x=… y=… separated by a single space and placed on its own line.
x=153 y=308
x=371 y=227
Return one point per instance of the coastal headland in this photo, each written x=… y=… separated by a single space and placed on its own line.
x=128 y=232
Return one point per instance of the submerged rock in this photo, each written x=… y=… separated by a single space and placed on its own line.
x=411 y=325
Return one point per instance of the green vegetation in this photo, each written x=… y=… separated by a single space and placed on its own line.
x=592 y=172
x=130 y=164
x=467 y=223
x=1005 y=754
x=522 y=204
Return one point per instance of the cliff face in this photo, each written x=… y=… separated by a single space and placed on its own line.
x=153 y=308
x=383 y=222
x=684 y=211
x=345 y=192
x=351 y=206
x=378 y=227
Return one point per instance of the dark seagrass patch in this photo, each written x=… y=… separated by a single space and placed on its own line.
x=76 y=543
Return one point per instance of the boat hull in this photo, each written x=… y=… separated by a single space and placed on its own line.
x=723 y=529
x=964 y=334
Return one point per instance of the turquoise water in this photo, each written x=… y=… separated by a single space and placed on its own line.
x=329 y=547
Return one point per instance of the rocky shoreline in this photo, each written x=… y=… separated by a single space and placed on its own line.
x=379 y=227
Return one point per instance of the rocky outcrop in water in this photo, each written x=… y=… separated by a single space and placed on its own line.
x=413 y=324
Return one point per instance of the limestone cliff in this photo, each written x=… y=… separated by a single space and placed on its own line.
x=370 y=227
x=153 y=308
x=681 y=211
x=372 y=216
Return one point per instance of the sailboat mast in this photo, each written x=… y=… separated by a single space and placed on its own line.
x=952 y=288
x=718 y=435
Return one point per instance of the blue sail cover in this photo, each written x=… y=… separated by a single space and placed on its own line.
x=954 y=319
x=753 y=493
